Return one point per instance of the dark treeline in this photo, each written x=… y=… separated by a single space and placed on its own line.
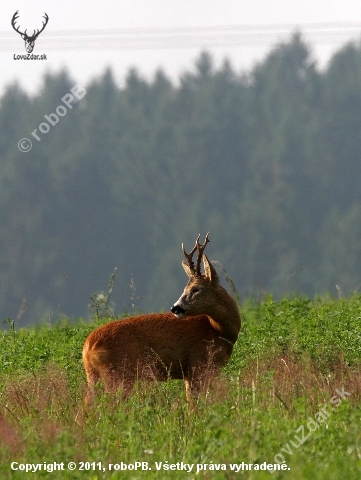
x=269 y=162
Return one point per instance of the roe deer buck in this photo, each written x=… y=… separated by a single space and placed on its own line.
x=189 y=344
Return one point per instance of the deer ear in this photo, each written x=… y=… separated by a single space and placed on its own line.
x=210 y=271
x=187 y=269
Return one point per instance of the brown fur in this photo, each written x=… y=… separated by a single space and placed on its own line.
x=162 y=346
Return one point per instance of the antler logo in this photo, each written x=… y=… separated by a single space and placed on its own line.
x=29 y=40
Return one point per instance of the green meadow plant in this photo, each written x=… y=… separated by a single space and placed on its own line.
x=291 y=358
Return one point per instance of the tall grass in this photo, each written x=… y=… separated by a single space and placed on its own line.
x=290 y=360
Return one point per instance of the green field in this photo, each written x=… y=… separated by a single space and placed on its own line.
x=291 y=392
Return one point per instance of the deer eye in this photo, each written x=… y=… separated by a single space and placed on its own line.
x=195 y=290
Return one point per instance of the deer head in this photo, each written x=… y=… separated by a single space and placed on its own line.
x=196 y=292
x=29 y=40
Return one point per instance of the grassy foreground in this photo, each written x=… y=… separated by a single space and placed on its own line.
x=291 y=393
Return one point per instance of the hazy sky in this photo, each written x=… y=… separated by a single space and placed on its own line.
x=85 y=37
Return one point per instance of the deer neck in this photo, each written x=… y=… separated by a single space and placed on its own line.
x=225 y=317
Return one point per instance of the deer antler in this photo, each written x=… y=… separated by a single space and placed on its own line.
x=35 y=34
x=200 y=248
x=45 y=16
x=189 y=256
x=13 y=21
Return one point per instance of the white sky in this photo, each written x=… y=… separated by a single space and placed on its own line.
x=85 y=37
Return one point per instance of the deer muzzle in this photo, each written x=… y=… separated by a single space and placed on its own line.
x=178 y=311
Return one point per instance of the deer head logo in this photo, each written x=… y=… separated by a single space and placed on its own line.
x=29 y=40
